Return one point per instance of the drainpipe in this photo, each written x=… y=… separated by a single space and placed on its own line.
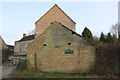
x=79 y=54
x=35 y=61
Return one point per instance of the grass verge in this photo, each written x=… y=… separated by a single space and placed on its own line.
x=39 y=74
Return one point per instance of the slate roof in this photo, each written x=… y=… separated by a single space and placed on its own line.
x=27 y=38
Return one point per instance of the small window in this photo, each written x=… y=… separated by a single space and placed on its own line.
x=69 y=43
x=44 y=45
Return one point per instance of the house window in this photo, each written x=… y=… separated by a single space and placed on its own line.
x=69 y=43
x=44 y=45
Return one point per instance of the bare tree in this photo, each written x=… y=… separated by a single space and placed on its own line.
x=119 y=32
x=31 y=32
x=114 y=30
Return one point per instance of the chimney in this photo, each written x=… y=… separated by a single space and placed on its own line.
x=24 y=35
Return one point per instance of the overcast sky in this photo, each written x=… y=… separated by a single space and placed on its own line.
x=20 y=17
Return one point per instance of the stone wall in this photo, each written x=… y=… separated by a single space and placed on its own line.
x=20 y=47
x=5 y=52
x=54 y=14
x=3 y=44
x=47 y=52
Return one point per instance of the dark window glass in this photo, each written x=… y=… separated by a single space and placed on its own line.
x=44 y=45
x=69 y=43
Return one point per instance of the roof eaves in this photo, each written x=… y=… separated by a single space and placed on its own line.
x=27 y=39
x=37 y=37
x=79 y=35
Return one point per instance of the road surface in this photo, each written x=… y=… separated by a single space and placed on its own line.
x=7 y=70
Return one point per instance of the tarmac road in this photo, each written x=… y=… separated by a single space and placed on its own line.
x=7 y=70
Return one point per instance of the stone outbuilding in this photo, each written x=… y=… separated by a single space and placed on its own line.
x=60 y=49
x=21 y=45
x=6 y=51
x=54 y=14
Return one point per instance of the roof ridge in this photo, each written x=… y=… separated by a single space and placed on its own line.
x=27 y=38
x=50 y=10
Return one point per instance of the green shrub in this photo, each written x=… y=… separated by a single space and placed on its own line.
x=22 y=64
